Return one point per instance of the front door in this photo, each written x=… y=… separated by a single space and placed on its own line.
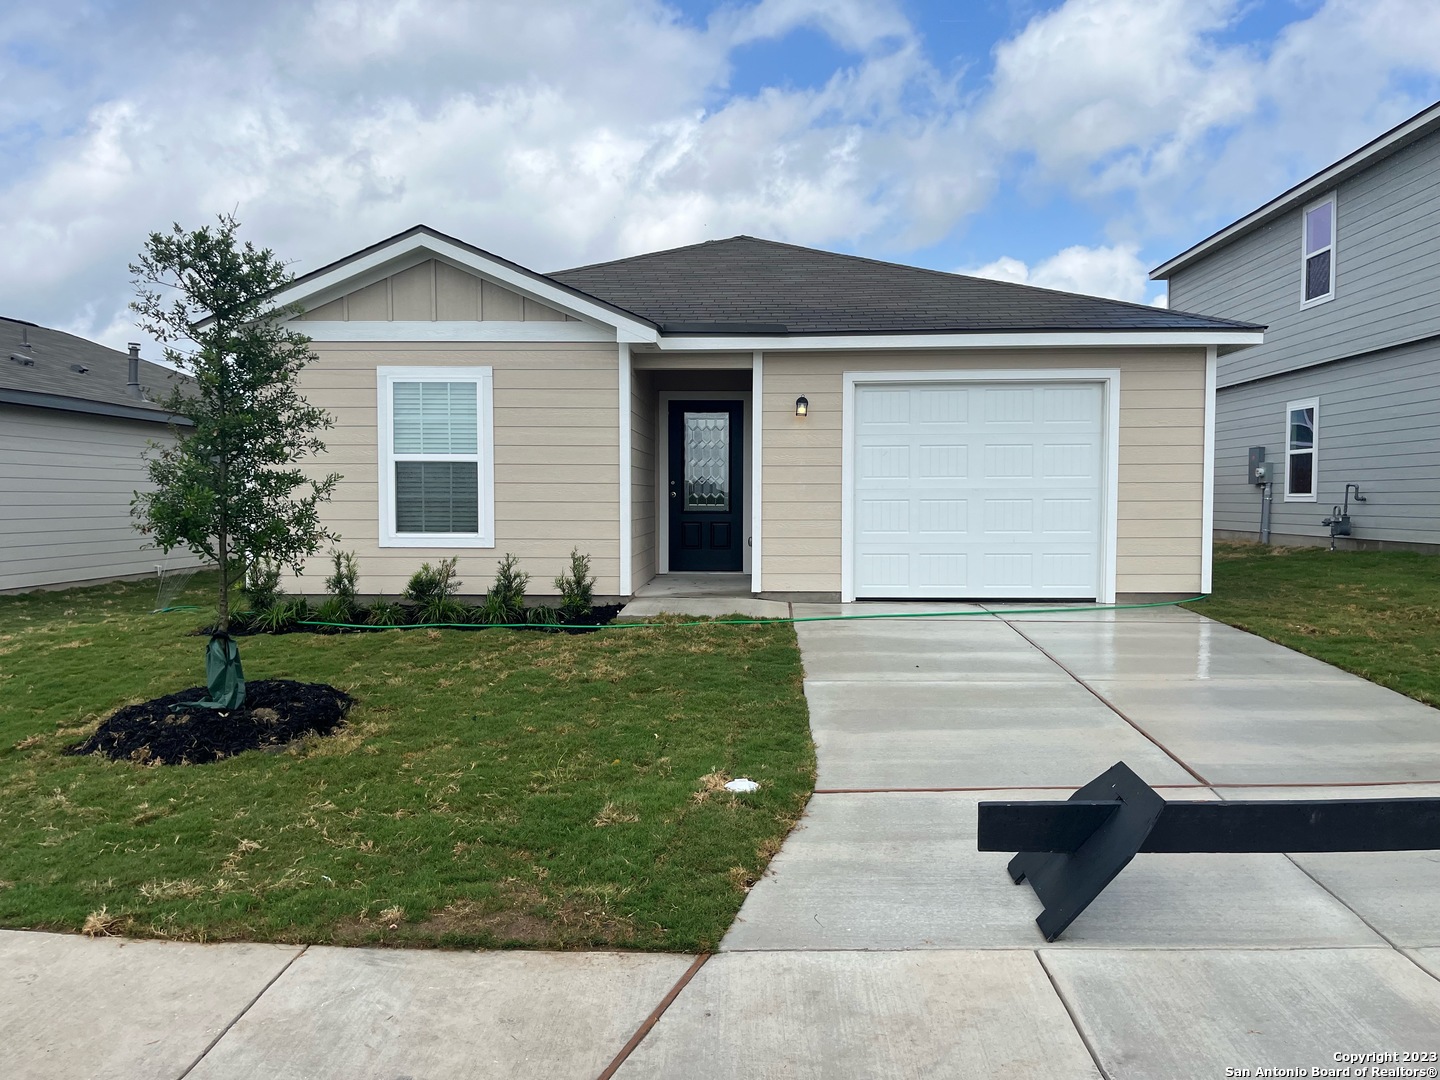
x=707 y=517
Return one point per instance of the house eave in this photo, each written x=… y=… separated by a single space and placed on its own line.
x=60 y=403
x=1078 y=339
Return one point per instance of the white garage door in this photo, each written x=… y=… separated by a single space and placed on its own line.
x=978 y=490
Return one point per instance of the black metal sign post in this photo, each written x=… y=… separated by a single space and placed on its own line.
x=1069 y=851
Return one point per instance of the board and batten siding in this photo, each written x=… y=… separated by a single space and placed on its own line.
x=557 y=451
x=1387 y=273
x=1161 y=470
x=66 y=481
x=1378 y=426
x=433 y=291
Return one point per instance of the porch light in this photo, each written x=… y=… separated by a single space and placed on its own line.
x=802 y=406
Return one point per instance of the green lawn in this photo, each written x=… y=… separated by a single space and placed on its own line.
x=492 y=788
x=1376 y=613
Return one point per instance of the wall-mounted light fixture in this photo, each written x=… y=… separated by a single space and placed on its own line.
x=802 y=406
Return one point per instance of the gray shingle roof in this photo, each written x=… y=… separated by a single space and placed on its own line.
x=57 y=360
x=751 y=286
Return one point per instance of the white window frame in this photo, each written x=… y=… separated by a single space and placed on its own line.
x=1330 y=249
x=484 y=457
x=1314 y=451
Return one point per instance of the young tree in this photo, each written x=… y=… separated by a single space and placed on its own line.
x=229 y=487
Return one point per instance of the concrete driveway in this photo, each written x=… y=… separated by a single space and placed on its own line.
x=1187 y=964
x=881 y=943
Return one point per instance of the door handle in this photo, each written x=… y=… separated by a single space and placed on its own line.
x=672 y=494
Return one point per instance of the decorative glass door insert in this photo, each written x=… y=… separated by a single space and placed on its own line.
x=707 y=461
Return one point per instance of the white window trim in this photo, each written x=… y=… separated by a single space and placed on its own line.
x=483 y=377
x=1109 y=380
x=1331 y=248
x=1314 y=451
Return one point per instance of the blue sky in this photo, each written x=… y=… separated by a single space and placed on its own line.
x=1069 y=144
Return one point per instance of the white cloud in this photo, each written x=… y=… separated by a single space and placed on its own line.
x=554 y=134
x=568 y=132
x=1114 y=272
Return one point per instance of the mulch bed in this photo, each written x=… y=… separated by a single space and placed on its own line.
x=600 y=615
x=160 y=732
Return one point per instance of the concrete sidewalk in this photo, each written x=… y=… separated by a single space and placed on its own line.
x=881 y=943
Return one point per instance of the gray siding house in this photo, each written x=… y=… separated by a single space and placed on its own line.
x=1344 y=271
x=75 y=418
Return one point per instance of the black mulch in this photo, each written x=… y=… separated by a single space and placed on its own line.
x=157 y=732
x=599 y=615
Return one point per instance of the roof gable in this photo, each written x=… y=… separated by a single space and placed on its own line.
x=365 y=284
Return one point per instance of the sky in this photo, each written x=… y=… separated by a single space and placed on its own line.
x=1073 y=144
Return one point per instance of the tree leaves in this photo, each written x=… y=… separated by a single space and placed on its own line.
x=232 y=487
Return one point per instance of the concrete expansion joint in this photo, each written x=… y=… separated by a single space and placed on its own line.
x=654 y=1018
x=1107 y=703
x=238 y=1016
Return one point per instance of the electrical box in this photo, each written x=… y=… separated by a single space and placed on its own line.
x=1259 y=468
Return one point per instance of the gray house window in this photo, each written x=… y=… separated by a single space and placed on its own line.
x=1301 y=427
x=1317 y=269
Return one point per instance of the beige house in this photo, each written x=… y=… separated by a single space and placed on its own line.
x=75 y=419
x=828 y=426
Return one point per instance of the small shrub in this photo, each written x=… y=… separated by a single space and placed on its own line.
x=436 y=582
x=386 y=613
x=576 y=587
x=505 y=602
x=262 y=585
x=542 y=615
x=281 y=615
x=443 y=609
x=335 y=609
x=342 y=586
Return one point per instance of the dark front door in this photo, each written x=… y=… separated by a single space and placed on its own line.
x=707 y=517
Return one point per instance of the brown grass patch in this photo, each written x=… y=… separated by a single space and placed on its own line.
x=102 y=923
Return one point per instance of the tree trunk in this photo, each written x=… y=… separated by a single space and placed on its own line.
x=223 y=621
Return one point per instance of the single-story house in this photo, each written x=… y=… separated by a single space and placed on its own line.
x=831 y=427
x=75 y=418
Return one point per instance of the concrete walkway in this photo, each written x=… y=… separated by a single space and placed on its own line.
x=881 y=943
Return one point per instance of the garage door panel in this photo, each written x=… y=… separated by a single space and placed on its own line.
x=880 y=517
x=982 y=490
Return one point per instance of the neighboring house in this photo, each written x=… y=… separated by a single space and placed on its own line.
x=1344 y=272
x=75 y=418
x=829 y=426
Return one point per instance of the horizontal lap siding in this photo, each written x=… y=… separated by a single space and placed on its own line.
x=1379 y=427
x=1387 y=272
x=557 y=464
x=643 y=531
x=66 y=482
x=1161 y=458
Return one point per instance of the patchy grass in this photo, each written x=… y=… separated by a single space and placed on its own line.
x=497 y=788
x=1375 y=613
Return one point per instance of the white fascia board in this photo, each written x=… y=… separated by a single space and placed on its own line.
x=411 y=250
x=428 y=330
x=1068 y=340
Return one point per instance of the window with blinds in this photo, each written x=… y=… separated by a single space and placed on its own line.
x=434 y=423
